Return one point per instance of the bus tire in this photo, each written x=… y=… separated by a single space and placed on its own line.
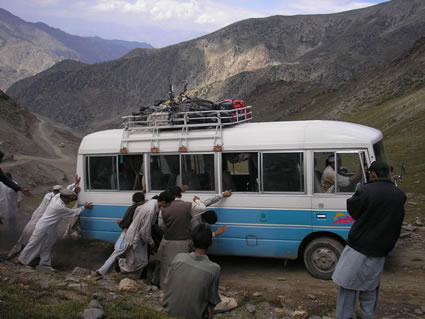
x=321 y=256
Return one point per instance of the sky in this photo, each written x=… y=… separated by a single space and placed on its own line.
x=162 y=22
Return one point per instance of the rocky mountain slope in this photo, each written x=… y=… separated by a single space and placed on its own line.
x=38 y=152
x=29 y=48
x=277 y=64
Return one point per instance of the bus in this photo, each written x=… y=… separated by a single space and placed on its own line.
x=279 y=207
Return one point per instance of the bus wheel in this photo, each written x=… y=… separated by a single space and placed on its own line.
x=321 y=256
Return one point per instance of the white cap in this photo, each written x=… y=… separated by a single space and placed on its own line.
x=57 y=187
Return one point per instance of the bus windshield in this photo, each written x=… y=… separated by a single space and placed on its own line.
x=379 y=150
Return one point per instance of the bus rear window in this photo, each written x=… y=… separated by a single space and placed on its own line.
x=102 y=172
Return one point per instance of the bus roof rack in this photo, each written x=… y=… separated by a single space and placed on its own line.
x=158 y=122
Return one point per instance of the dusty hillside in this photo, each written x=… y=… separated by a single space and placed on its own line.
x=38 y=152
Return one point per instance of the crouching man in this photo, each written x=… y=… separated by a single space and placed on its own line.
x=191 y=285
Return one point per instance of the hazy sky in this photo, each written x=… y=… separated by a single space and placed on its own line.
x=162 y=22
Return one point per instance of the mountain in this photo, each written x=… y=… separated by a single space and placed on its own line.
x=38 y=152
x=29 y=48
x=274 y=63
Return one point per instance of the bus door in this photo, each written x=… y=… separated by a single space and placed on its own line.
x=336 y=176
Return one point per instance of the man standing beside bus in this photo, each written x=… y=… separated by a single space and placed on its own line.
x=378 y=211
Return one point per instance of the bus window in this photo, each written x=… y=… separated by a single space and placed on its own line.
x=198 y=172
x=164 y=171
x=347 y=164
x=283 y=172
x=102 y=172
x=240 y=172
x=130 y=172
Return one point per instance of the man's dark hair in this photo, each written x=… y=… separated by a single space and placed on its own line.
x=176 y=191
x=380 y=168
x=1 y=155
x=202 y=236
x=138 y=197
x=209 y=217
x=166 y=196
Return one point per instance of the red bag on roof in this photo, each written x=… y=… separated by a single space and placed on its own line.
x=241 y=114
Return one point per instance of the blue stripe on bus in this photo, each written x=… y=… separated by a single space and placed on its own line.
x=250 y=232
x=263 y=216
x=251 y=247
x=105 y=211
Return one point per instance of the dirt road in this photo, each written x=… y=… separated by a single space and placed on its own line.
x=265 y=288
x=59 y=159
x=402 y=288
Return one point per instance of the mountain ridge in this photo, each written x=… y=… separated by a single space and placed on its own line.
x=28 y=48
x=316 y=52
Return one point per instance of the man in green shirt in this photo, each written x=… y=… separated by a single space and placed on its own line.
x=191 y=285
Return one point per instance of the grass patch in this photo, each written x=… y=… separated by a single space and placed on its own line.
x=27 y=301
x=123 y=310
x=19 y=302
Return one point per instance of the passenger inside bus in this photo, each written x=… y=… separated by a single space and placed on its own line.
x=345 y=181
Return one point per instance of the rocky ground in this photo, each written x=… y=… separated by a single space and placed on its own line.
x=256 y=288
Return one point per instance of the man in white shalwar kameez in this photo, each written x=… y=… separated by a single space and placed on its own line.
x=124 y=223
x=44 y=235
x=35 y=217
x=139 y=237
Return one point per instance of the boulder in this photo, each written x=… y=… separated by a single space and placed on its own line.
x=226 y=304
x=128 y=285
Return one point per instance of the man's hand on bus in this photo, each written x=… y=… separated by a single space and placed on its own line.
x=76 y=179
x=220 y=230
x=195 y=198
x=88 y=205
x=184 y=188
x=227 y=193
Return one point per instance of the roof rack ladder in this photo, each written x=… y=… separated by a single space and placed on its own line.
x=183 y=142
x=155 y=139
x=218 y=136
x=124 y=139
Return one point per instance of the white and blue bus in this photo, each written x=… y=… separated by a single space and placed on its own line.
x=278 y=208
